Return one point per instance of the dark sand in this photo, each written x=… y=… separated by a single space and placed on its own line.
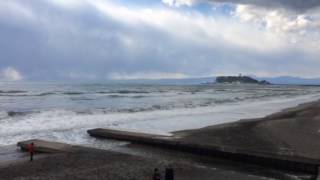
x=87 y=163
x=291 y=131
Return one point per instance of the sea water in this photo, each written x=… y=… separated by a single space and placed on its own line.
x=63 y=111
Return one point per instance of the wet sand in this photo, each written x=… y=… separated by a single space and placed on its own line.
x=293 y=131
x=88 y=163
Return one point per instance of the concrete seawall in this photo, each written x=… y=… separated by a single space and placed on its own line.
x=42 y=146
x=276 y=161
x=65 y=161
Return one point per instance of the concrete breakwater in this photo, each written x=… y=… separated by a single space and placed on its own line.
x=64 y=161
x=42 y=146
x=271 y=160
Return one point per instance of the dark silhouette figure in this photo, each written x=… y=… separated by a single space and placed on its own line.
x=156 y=175
x=169 y=174
x=31 y=150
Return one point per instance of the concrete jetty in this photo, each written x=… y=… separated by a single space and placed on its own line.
x=66 y=161
x=126 y=135
x=282 y=161
x=43 y=146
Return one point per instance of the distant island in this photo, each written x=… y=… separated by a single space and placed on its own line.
x=240 y=79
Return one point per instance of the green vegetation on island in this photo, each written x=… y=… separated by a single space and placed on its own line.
x=240 y=79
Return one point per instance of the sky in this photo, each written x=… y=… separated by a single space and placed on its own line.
x=155 y=39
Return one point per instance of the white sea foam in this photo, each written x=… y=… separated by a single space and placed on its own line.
x=3 y=115
x=69 y=126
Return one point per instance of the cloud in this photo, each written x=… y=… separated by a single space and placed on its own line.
x=98 y=39
x=296 y=27
x=10 y=74
x=296 y=5
x=278 y=20
x=147 y=75
x=15 y=10
x=301 y=28
x=179 y=3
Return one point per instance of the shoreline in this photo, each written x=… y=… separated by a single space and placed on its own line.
x=265 y=133
x=155 y=122
x=259 y=141
x=89 y=163
x=292 y=131
x=270 y=116
x=185 y=132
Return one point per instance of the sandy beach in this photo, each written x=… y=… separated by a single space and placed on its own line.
x=292 y=131
x=116 y=89
x=86 y=163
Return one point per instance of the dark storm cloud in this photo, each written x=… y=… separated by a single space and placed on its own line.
x=59 y=42
x=44 y=40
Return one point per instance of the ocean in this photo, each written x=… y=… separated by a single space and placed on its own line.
x=63 y=112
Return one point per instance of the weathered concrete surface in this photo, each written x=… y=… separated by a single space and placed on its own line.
x=93 y=164
x=284 y=161
x=121 y=135
x=289 y=139
x=292 y=132
x=46 y=146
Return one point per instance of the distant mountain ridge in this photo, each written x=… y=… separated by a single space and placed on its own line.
x=291 y=80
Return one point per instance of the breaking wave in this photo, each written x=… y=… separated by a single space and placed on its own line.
x=13 y=91
x=70 y=125
x=64 y=112
x=72 y=93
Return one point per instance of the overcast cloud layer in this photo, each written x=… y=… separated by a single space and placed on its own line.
x=297 y=5
x=101 y=39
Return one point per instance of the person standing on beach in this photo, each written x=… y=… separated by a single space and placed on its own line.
x=156 y=175
x=31 y=150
